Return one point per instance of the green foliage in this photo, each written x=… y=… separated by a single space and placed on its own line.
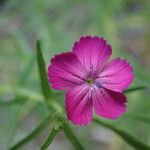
x=33 y=134
x=70 y=135
x=58 y=23
x=42 y=72
x=50 y=139
x=135 y=89
x=56 y=129
x=138 y=118
x=126 y=136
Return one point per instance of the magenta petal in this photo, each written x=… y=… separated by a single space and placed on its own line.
x=79 y=105
x=92 y=52
x=65 y=71
x=117 y=75
x=108 y=104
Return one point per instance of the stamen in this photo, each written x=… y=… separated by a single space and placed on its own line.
x=98 y=84
x=89 y=80
x=90 y=91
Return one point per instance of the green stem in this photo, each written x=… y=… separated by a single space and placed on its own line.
x=135 y=89
x=33 y=134
x=71 y=137
x=127 y=137
x=50 y=139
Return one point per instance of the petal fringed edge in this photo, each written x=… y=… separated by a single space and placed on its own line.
x=108 y=104
x=116 y=75
x=65 y=71
x=92 y=52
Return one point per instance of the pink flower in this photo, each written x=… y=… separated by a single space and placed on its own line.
x=91 y=81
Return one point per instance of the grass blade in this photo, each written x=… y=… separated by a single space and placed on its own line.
x=33 y=134
x=127 y=137
x=135 y=89
x=42 y=72
x=70 y=135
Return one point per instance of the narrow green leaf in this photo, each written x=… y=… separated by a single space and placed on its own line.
x=42 y=72
x=135 y=89
x=50 y=139
x=26 y=70
x=138 y=117
x=33 y=134
x=126 y=136
x=47 y=93
x=12 y=102
x=31 y=95
x=71 y=137
x=22 y=45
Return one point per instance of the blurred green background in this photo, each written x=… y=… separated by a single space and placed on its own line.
x=125 y=24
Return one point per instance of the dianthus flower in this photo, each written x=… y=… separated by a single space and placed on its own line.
x=92 y=83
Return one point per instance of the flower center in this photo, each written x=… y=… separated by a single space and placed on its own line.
x=90 y=81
